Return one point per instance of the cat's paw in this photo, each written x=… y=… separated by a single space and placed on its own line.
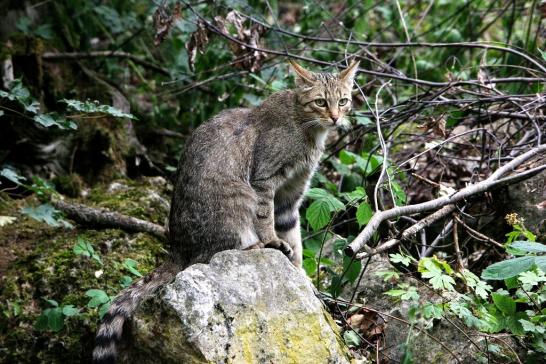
x=281 y=245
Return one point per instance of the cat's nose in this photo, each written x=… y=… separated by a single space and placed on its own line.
x=334 y=118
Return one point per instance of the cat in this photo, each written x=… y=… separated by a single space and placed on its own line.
x=240 y=183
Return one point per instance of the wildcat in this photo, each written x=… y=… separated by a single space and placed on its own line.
x=240 y=183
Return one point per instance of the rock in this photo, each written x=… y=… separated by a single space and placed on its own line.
x=243 y=307
x=528 y=200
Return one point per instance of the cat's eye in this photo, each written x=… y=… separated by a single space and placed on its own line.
x=343 y=102
x=320 y=102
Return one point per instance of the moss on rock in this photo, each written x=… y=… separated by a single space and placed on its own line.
x=38 y=263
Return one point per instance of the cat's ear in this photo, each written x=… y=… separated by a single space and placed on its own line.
x=349 y=73
x=303 y=76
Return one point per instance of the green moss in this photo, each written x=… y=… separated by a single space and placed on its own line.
x=38 y=262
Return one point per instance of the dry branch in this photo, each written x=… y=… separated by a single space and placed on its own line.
x=101 y=218
x=492 y=181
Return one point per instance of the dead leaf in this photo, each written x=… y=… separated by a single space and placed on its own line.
x=163 y=21
x=197 y=43
x=247 y=57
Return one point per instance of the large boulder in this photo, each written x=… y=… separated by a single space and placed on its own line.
x=243 y=307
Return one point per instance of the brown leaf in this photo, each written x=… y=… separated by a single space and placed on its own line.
x=248 y=58
x=197 y=43
x=163 y=21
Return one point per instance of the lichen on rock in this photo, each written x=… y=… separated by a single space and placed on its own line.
x=244 y=307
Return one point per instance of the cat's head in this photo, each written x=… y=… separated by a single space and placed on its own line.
x=325 y=98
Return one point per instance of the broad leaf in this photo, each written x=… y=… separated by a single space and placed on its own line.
x=364 y=213
x=318 y=214
x=504 y=303
x=529 y=247
x=508 y=268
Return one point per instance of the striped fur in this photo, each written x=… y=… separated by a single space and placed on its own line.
x=122 y=309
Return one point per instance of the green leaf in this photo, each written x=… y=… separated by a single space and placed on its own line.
x=504 y=303
x=351 y=338
x=395 y=292
x=41 y=322
x=363 y=120
x=355 y=196
x=52 y=303
x=431 y=310
x=352 y=268
x=540 y=262
x=80 y=248
x=530 y=278
x=399 y=258
x=347 y=157
x=45 y=213
x=310 y=266
x=508 y=268
x=55 y=319
x=388 y=275
x=130 y=265
x=98 y=297
x=318 y=214
x=529 y=247
x=103 y=309
x=125 y=281
x=70 y=310
x=95 y=107
x=364 y=213
x=53 y=119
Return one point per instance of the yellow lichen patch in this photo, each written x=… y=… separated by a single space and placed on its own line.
x=299 y=338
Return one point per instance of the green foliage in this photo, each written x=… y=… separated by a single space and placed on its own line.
x=48 y=214
x=99 y=299
x=351 y=338
x=84 y=248
x=513 y=267
x=21 y=95
x=94 y=107
x=130 y=265
x=53 y=318
x=318 y=214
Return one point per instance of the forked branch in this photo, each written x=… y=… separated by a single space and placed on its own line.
x=494 y=180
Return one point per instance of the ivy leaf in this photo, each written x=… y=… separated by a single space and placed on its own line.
x=53 y=119
x=92 y=107
x=508 y=268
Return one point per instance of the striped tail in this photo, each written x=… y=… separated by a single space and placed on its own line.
x=122 y=309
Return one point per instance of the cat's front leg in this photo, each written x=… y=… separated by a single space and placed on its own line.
x=264 y=220
x=287 y=226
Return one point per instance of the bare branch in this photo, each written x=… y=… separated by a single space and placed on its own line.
x=492 y=181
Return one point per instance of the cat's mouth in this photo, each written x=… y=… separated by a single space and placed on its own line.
x=341 y=124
